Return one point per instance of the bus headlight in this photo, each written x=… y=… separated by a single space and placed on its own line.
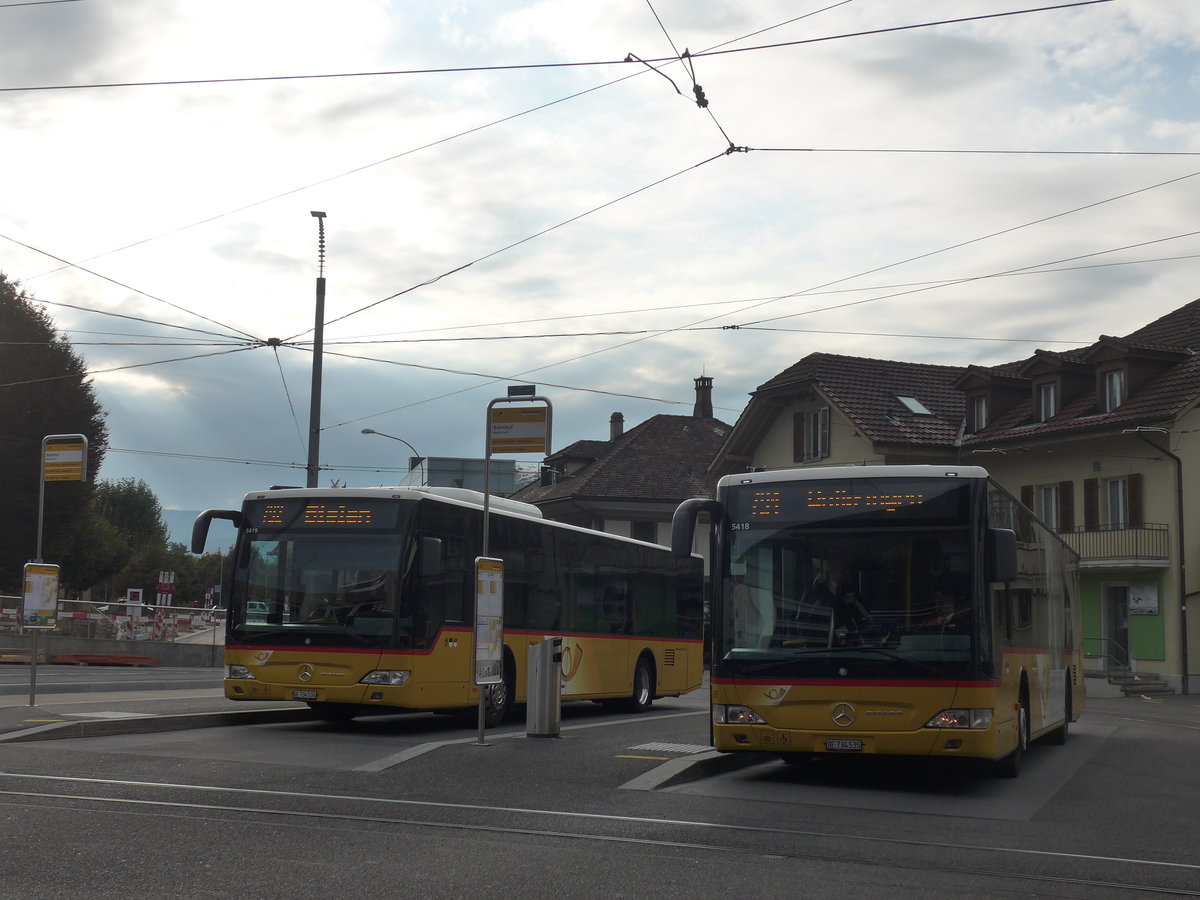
x=387 y=676
x=239 y=672
x=736 y=715
x=977 y=719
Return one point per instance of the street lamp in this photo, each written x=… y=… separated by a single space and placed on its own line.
x=416 y=454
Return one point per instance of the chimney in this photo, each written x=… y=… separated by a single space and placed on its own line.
x=616 y=426
x=703 y=408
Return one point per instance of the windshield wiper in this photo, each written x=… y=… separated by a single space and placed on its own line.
x=747 y=666
x=301 y=628
x=898 y=657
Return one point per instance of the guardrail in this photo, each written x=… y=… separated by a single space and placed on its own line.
x=1145 y=542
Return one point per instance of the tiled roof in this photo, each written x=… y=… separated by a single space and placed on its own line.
x=663 y=458
x=1163 y=399
x=582 y=450
x=867 y=392
x=1177 y=330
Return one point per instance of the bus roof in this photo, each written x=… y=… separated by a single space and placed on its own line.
x=457 y=496
x=815 y=473
x=461 y=495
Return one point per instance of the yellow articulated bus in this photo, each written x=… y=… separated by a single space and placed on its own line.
x=361 y=599
x=908 y=610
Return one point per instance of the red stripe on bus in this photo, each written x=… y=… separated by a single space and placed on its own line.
x=857 y=682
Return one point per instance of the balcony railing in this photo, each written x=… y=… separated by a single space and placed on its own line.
x=1116 y=543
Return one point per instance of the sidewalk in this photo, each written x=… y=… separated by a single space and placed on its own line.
x=134 y=712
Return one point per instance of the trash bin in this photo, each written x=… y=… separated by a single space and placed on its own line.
x=544 y=706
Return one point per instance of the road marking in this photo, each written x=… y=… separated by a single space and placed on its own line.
x=673 y=748
x=107 y=715
x=395 y=759
x=631 y=756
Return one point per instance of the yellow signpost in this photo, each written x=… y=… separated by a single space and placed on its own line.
x=63 y=461
x=520 y=429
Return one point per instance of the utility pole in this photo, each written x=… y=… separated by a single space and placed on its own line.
x=314 y=410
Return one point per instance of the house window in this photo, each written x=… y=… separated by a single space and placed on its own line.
x=1114 y=389
x=1116 y=502
x=1048 y=505
x=816 y=428
x=979 y=410
x=1048 y=400
x=913 y=405
x=644 y=531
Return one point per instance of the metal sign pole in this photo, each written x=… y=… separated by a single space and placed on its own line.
x=532 y=435
x=63 y=458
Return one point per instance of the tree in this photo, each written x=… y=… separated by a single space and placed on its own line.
x=130 y=537
x=43 y=391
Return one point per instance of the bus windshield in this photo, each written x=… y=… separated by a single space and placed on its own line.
x=850 y=589
x=337 y=588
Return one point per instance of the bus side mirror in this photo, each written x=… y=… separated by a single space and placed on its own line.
x=1002 y=554
x=200 y=528
x=683 y=524
x=431 y=560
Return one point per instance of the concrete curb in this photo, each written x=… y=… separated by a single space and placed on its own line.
x=43 y=687
x=142 y=724
x=686 y=769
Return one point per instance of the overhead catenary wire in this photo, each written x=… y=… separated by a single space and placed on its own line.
x=119 y=284
x=504 y=119
x=553 y=65
x=93 y=372
x=387 y=339
x=515 y=244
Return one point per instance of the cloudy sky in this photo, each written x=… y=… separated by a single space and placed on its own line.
x=509 y=201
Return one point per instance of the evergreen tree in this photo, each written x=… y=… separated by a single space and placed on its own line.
x=42 y=392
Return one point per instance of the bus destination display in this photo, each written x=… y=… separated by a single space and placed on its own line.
x=351 y=515
x=815 y=501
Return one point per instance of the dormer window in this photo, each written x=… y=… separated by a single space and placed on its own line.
x=979 y=414
x=1048 y=400
x=1114 y=389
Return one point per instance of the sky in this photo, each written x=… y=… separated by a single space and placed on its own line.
x=529 y=193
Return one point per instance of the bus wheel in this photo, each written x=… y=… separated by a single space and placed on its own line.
x=498 y=698
x=333 y=712
x=643 y=687
x=1010 y=766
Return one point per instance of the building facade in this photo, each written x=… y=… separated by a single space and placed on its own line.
x=1103 y=443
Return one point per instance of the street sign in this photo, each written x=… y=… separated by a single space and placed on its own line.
x=40 y=605
x=522 y=390
x=520 y=429
x=489 y=620
x=64 y=460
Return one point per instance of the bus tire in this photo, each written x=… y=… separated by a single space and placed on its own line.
x=499 y=698
x=643 y=687
x=1010 y=766
x=333 y=712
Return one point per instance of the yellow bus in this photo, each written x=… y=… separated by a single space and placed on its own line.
x=909 y=610
x=363 y=599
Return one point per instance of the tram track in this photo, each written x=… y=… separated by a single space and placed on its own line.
x=1124 y=876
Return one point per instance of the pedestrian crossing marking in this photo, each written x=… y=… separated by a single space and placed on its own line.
x=664 y=747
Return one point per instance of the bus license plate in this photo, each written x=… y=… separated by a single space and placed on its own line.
x=844 y=745
x=304 y=695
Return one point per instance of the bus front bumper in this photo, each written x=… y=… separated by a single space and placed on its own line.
x=924 y=742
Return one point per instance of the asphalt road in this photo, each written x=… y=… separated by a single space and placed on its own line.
x=618 y=806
